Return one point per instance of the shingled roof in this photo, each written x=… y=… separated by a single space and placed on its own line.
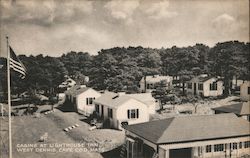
x=239 y=108
x=191 y=128
x=204 y=78
x=114 y=100
x=146 y=98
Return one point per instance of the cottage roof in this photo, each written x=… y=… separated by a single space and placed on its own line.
x=75 y=90
x=146 y=98
x=204 y=78
x=157 y=78
x=114 y=100
x=105 y=98
x=239 y=108
x=191 y=128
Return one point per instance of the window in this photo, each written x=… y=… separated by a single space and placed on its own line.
x=248 y=90
x=189 y=85
x=209 y=148
x=234 y=146
x=218 y=147
x=97 y=108
x=247 y=144
x=140 y=145
x=133 y=113
x=200 y=86
x=110 y=113
x=89 y=101
x=240 y=145
x=213 y=86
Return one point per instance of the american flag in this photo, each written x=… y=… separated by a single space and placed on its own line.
x=16 y=64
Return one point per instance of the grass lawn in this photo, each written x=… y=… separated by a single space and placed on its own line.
x=28 y=130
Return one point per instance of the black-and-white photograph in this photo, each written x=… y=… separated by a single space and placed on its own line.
x=124 y=79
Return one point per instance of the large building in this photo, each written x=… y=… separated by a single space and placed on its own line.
x=206 y=136
x=206 y=86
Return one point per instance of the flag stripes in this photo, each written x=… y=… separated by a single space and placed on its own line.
x=16 y=64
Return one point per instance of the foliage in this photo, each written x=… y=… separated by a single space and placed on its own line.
x=121 y=69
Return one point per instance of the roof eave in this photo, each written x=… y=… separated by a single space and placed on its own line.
x=195 y=140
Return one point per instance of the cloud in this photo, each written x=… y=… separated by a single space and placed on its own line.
x=159 y=9
x=122 y=9
x=224 y=18
x=43 y=12
x=225 y=24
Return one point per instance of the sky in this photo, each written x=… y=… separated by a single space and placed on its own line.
x=54 y=27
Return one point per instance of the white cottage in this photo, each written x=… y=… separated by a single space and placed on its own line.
x=245 y=91
x=119 y=108
x=147 y=99
x=82 y=98
x=149 y=83
x=206 y=86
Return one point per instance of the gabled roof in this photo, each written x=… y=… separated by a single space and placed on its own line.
x=204 y=78
x=105 y=98
x=75 y=90
x=191 y=128
x=146 y=98
x=113 y=100
x=239 y=108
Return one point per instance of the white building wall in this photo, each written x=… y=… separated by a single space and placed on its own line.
x=82 y=107
x=120 y=113
x=206 y=92
x=142 y=85
x=152 y=108
x=244 y=91
x=202 y=144
x=213 y=93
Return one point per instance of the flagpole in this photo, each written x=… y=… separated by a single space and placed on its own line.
x=9 y=97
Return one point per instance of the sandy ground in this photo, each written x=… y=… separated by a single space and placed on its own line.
x=28 y=130
x=203 y=107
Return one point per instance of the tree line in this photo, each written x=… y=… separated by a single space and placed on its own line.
x=121 y=69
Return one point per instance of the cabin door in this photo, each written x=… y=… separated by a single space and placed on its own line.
x=102 y=111
x=195 y=89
